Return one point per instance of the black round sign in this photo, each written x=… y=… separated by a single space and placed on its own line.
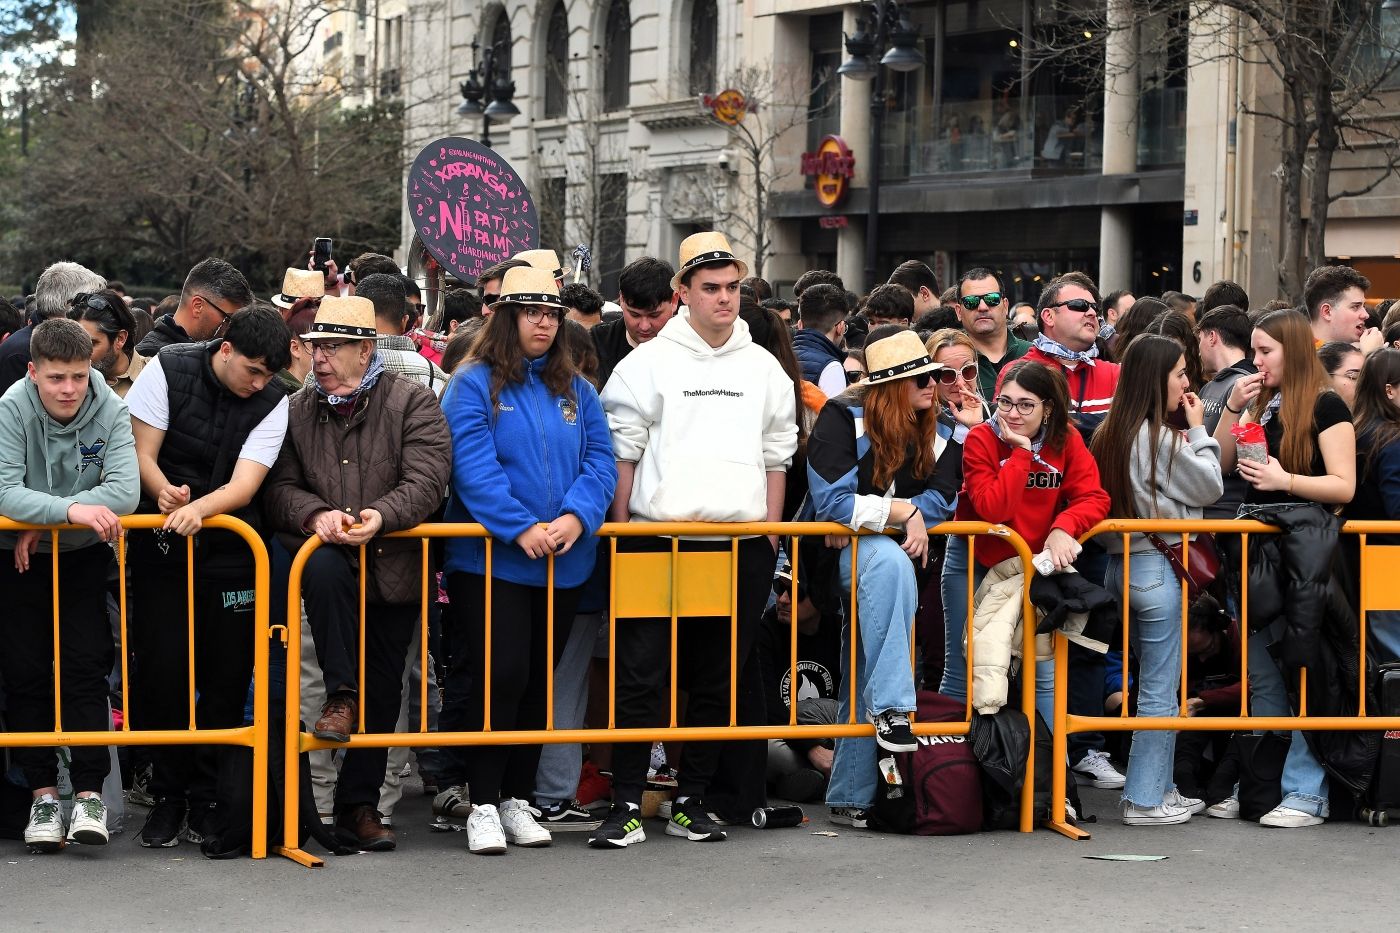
x=469 y=207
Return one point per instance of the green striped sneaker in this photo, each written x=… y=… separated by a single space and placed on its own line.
x=622 y=827
x=690 y=821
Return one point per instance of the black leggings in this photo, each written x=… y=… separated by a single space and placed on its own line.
x=520 y=662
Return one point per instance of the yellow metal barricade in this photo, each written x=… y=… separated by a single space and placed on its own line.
x=660 y=584
x=1380 y=590
x=253 y=736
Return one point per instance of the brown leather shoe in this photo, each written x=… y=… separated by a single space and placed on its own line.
x=361 y=827
x=338 y=719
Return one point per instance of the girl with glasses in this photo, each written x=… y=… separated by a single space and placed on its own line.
x=878 y=458
x=1029 y=470
x=1150 y=471
x=532 y=461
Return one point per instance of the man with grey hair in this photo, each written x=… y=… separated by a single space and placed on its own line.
x=58 y=285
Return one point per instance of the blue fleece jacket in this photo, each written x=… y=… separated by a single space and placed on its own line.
x=530 y=458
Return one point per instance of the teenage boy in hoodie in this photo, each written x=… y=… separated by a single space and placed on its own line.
x=66 y=455
x=703 y=427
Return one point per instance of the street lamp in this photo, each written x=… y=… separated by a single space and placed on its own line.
x=486 y=77
x=884 y=36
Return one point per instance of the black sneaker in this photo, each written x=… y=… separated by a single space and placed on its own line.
x=201 y=822
x=690 y=821
x=892 y=732
x=622 y=827
x=567 y=817
x=163 y=825
x=853 y=817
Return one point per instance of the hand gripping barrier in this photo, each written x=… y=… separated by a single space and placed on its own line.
x=643 y=585
x=253 y=736
x=1380 y=590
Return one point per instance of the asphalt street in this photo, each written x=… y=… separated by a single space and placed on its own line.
x=1217 y=876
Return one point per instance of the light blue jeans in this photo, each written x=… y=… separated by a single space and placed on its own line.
x=1154 y=597
x=1304 y=780
x=887 y=598
x=953 y=586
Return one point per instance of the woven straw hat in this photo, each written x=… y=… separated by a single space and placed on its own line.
x=546 y=260
x=299 y=283
x=528 y=285
x=348 y=318
x=699 y=249
x=897 y=356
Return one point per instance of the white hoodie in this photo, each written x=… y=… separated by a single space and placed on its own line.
x=703 y=424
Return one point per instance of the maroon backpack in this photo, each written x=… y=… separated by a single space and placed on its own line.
x=939 y=789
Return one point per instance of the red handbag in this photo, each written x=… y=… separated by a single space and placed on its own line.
x=1205 y=561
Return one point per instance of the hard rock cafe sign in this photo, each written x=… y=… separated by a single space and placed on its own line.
x=831 y=167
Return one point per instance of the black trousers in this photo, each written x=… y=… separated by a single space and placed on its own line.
x=86 y=653
x=520 y=664
x=330 y=590
x=158 y=628
x=703 y=658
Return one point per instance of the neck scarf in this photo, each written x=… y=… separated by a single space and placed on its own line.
x=1274 y=405
x=367 y=381
x=1037 y=443
x=1058 y=350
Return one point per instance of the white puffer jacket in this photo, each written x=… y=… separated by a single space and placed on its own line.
x=997 y=634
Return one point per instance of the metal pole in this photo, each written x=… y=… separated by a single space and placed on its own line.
x=486 y=95
x=872 y=220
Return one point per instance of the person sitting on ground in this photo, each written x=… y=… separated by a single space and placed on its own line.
x=874 y=462
x=66 y=457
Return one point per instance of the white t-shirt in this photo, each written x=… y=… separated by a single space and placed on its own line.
x=149 y=400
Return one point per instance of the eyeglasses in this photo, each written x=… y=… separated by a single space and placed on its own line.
x=1024 y=406
x=222 y=313
x=536 y=314
x=853 y=376
x=327 y=348
x=950 y=376
x=1079 y=305
x=991 y=299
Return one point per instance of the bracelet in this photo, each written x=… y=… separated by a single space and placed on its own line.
x=1233 y=411
x=1290 y=483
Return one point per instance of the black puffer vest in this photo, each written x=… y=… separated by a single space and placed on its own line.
x=208 y=427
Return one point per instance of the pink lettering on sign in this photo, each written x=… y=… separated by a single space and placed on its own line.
x=469 y=207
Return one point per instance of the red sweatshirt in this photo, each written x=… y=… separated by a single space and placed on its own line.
x=1003 y=485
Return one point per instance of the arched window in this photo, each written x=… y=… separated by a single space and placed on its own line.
x=501 y=42
x=556 y=63
x=704 y=44
x=617 y=56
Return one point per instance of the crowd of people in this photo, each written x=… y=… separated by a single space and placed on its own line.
x=338 y=409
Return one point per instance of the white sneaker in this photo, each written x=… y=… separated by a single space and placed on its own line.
x=1282 y=817
x=88 y=824
x=1095 y=769
x=1227 y=809
x=1174 y=798
x=484 y=835
x=1160 y=815
x=45 y=830
x=518 y=823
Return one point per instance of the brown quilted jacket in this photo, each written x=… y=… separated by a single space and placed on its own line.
x=394 y=454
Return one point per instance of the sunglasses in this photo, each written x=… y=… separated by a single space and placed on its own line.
x=924 y=380
x=949 y=377
x=489 y=299
x=781 y=586
x=1079 y=305
x=853 y=376
x=970 y=302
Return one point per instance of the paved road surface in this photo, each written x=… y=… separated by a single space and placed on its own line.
x=1219 y=876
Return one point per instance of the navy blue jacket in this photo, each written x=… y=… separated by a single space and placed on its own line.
x=815 y=352
x=531 y=457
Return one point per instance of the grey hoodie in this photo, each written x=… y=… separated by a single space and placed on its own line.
x=45 y=467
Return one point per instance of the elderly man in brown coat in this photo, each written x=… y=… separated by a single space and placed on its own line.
x=367 y=452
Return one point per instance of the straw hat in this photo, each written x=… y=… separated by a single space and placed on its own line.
x=349 y=318
x=299 y=283
x=529 y=285
x=701 y=248
x=543 y=259
x=897 y=356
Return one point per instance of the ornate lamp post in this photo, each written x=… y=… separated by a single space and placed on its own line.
x=488 y=76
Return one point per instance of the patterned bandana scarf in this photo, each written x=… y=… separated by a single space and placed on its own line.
x=367 y=381
x=1275 y=404
x=1037 y=442
x=1058 y=350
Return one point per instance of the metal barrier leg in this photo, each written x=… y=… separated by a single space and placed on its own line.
x=1060 y=749
x=291 y=780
